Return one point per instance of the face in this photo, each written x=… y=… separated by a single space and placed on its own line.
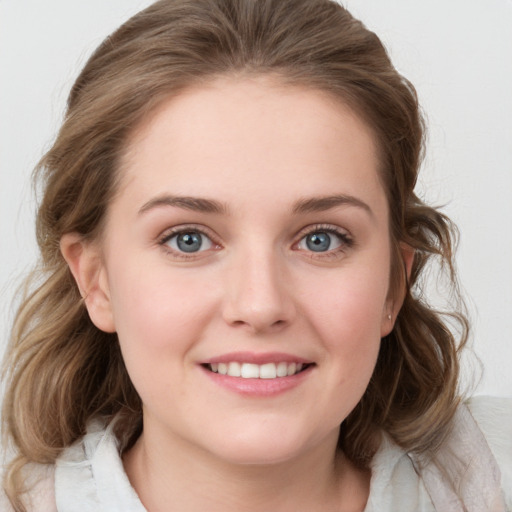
x=245 y=266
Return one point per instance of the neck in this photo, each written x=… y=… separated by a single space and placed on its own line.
x=171 y=476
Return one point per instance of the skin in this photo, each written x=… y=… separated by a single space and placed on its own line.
x=260 y=150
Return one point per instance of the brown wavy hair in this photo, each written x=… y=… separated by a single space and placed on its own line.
x=61 y=370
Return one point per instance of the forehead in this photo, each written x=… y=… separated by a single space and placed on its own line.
x=235 y=136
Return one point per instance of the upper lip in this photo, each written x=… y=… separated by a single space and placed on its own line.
x=257 y=358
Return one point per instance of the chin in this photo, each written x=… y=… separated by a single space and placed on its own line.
x=258 y=455
x=268 y=446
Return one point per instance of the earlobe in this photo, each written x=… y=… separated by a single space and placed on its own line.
x=86 y=264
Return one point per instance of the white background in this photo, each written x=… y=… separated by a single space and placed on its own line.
x=458 y=53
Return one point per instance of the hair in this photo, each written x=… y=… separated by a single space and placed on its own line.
x=61 y=370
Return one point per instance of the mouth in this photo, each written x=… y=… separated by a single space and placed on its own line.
x=266 y=371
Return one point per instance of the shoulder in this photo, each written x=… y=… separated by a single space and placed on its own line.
x=395 y=484
x=90 y=475
x=482 y=432
x=70 y=483
x=493 y=415
x=40 y=480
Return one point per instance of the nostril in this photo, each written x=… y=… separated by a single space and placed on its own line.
x=258 y=308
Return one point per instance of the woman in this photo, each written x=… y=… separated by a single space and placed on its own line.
x=231 y=243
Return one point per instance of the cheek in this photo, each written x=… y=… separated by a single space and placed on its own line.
x=156 y=310
x=347 y=318
x=157 y=322
x=354 y=307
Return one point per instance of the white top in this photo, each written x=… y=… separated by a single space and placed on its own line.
x=89 y=476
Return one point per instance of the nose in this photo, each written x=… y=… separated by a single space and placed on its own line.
x=258 y=294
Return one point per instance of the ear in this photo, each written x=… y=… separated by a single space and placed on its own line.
x=85 y=262
x=394 y=302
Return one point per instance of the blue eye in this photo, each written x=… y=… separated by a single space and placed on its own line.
x=321 y=241
x=189 y=241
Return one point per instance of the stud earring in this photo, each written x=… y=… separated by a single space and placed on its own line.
x=389 y=317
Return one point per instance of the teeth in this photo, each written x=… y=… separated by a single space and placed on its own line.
x=250 y=371
x=292 y=368
x=268 y=371
x=234 y=369
x=255 y=371
x=282 y=369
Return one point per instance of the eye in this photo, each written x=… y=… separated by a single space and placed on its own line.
x=323 y=241
x=189 y=241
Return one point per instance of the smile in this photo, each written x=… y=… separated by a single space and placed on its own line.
x=257 y=371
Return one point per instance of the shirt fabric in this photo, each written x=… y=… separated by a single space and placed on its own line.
x=476 y=459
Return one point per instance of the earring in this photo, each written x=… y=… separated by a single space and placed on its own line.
x=389 y=317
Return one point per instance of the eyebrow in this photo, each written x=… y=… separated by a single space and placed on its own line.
x=305 y=205
x=324 y=203
x=197 y=204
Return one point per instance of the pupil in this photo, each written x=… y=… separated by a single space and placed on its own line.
x=318 y=242
x=189 y=242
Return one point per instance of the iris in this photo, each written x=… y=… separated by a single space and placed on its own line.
x=318 y=242
x=189 y=242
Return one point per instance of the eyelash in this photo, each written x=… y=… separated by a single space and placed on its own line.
x=170 y=233
x=346 y=240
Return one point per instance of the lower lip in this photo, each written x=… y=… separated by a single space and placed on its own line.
x=259 y=387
